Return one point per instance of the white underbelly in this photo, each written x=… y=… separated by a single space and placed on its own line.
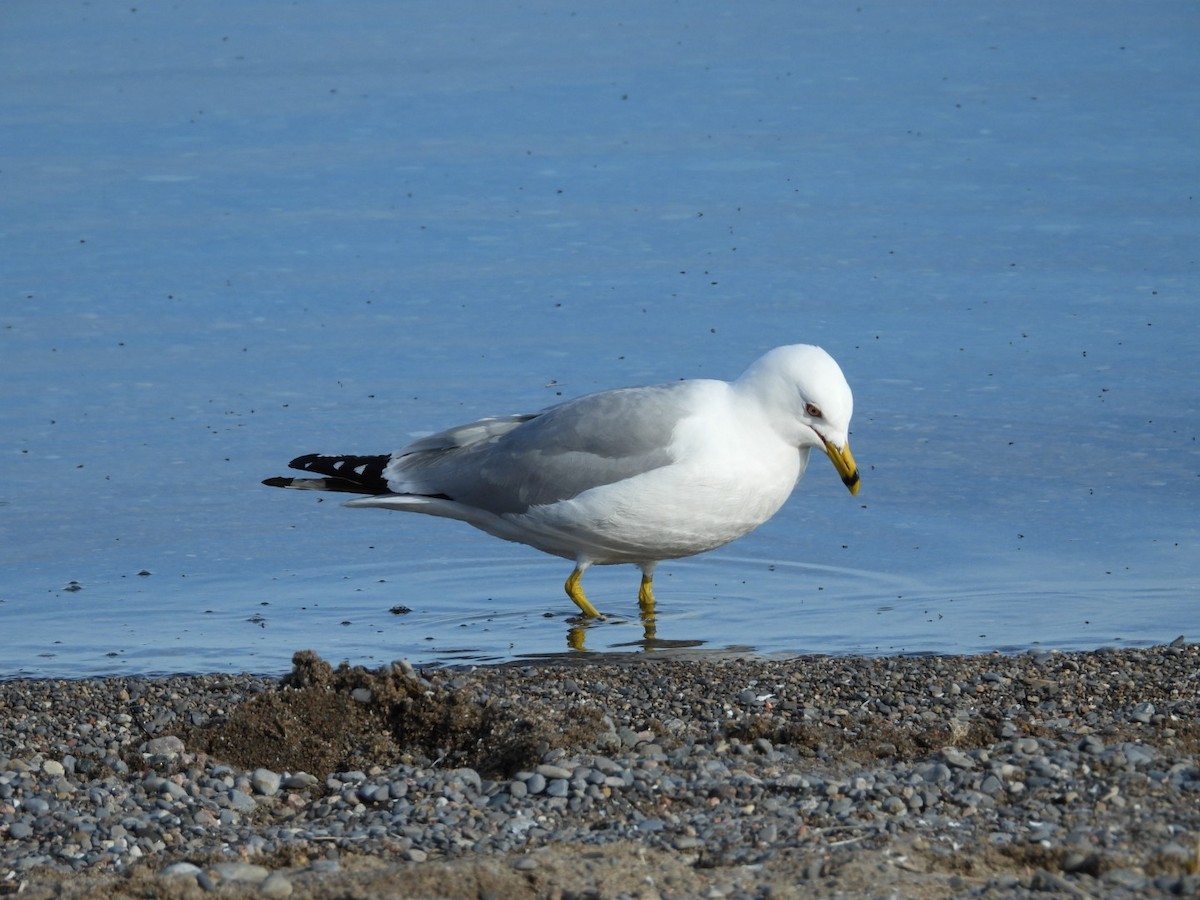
x=662 y=514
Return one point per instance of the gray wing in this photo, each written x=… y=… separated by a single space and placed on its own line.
x=508 y=465
x=482 y=432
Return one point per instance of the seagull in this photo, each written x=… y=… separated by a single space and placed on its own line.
x=633 y=475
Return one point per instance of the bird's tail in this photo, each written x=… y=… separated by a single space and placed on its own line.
x=347 y=474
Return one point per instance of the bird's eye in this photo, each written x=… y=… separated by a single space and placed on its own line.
x=813 y=410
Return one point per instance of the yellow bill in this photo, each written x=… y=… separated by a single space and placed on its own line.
x=843 y=461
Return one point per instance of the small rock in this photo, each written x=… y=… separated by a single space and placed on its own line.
x=266 y=782
x=469 y=777
x=373 y=793
x=1090 y=743
x=242 y=802
x=1081 y=862
x=1143 y=713
x=276 y=885
x=180 y=870
x=168 y=745
x=956 y=758
x=1026 y=745
x=298 y=781
x=1048 y=881
x=240 y=872
x=1126 y=878
x=991 y=785
x=1138 y=754
x=934 y=773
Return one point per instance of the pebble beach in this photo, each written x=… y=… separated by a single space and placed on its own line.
x=1040 y=774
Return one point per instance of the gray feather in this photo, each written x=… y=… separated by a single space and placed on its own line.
x=509 y=465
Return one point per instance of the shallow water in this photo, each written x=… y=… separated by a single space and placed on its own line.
x=236 y=234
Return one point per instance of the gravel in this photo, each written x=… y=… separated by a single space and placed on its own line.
x=1069 y=773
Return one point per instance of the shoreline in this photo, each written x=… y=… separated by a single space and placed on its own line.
x=1072 y=772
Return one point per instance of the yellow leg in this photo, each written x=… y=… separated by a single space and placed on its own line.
x=646 y=594
x=575 y=592
x=646 y=604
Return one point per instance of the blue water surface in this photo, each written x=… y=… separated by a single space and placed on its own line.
x=233 y=233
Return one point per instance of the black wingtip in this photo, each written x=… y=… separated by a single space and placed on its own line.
x=354 y=473
x=304 y=462
x=277 y=481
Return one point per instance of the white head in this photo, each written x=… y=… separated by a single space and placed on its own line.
x=808 y=401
